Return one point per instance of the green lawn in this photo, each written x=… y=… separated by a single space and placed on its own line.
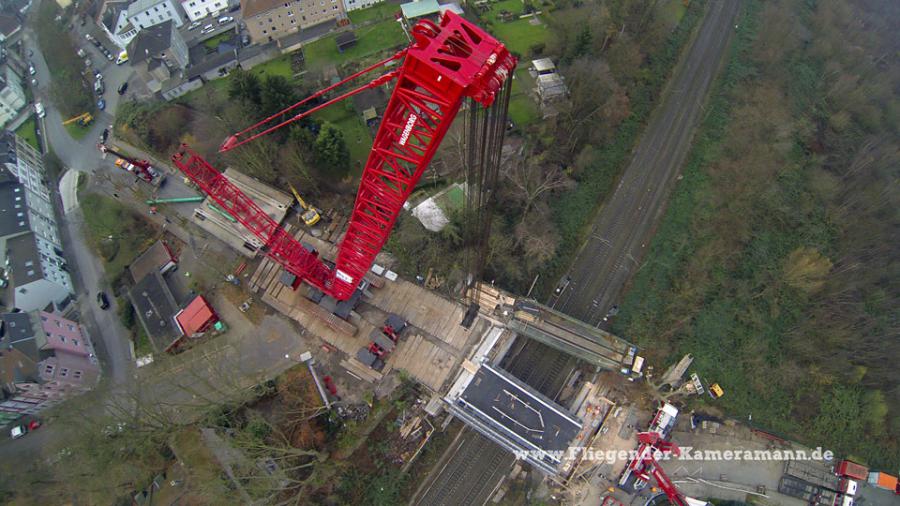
x=28 y=133
x=371 y=39
x=523 y=109
x=518 y=35
x=214 y=42
x=280 y=66
x=378 y=12
x=356 y=133
x=115 y=232
x=77 y=131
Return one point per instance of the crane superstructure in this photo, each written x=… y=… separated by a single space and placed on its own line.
x=445 y=64
x=644 y=465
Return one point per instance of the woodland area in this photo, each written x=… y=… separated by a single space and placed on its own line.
x=777 y=263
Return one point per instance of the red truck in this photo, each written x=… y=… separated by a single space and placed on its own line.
x=853 y=470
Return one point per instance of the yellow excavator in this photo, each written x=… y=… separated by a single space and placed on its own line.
x=310 y=215
x=83 y=119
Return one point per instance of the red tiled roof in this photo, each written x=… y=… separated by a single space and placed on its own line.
x=196 y=317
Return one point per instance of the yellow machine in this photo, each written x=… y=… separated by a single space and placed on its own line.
x=310 y=215
x=83 y=119
x=716 y=391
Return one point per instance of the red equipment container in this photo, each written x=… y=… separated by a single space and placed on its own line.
x=852 y=470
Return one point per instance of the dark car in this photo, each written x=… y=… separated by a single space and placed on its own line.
x=104 y=136
x=102 y=300
x=122 y=88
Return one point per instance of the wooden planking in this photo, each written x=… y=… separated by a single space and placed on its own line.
x=425 y=361
x=424 y=309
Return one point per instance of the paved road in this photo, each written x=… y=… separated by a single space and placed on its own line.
x=625 y=225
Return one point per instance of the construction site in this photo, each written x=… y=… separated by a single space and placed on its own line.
x=534 y=387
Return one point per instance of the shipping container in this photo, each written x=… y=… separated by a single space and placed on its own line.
x=883 y=480
x=852 y=470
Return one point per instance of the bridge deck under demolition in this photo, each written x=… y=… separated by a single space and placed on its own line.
x=571 y=336
x=541 y=323
x=514 y=415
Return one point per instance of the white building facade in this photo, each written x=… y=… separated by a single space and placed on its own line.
x=352 y=5
x=32 y=253
x=12 y=95
x=114 y=21
x=199 y=9
x=146 y=13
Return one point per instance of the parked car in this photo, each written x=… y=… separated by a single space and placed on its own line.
x=99 y=89
x=39 y=110
x=225 y=19
x=207 y=29
x=34 y=81
x=122 y=88
x=245 y=40
x=87 y=62
x=101 y=104
x=20 y=430
x=195 y=24
x=563 y=284
x=102 y=300
x=80 y=53
x=88 y=37
x=31 y=70
x=104 y=135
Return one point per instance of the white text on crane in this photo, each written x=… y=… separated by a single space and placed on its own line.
x=407 y=130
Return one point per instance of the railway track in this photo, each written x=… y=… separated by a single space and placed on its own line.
x=470 y=475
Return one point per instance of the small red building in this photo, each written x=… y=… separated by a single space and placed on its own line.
x=196 y=318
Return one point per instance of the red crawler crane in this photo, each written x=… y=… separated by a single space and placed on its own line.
x=645 y=465
x=445 y=64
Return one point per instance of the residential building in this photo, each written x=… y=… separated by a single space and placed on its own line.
x=157 y=258
x=199 y=9
x=12 y=95
x=41 y=364
x=352 y=5
x=268 y=20
x=66 y=336
x=38 y=276
x=30 y=247
x=155 y=307
x=143 y=14
x=195 y=319
x=158 y=54
x=114 y=21
x=10 y=28
x=26 y=165
x=413 y=11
